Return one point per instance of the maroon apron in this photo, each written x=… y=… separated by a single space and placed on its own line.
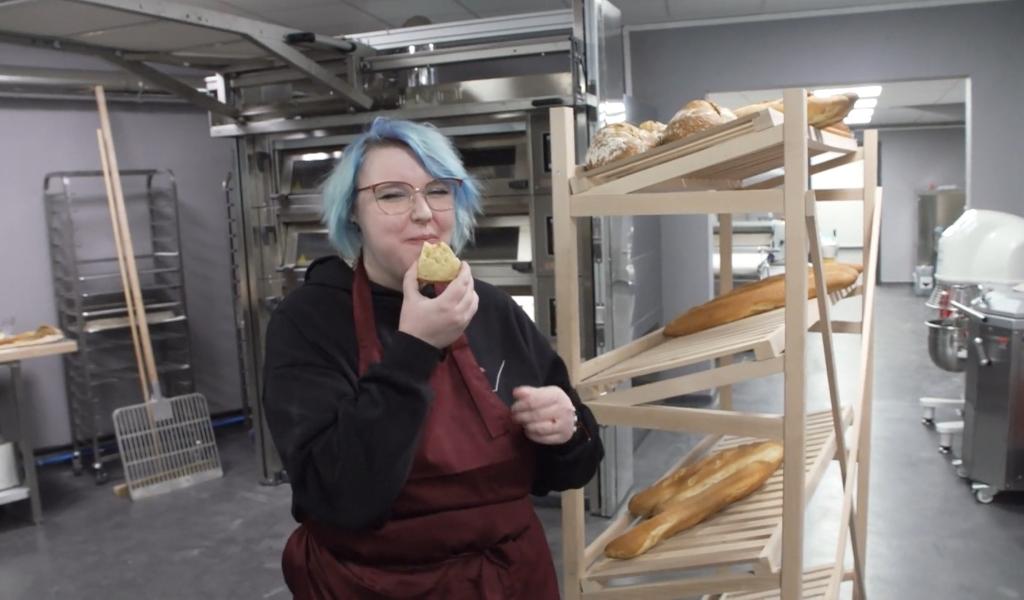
x=463 y=525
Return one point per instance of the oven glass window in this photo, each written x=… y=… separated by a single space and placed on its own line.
x=311 y=245
x=490 y=163
x=309 y=175
x=493 y=243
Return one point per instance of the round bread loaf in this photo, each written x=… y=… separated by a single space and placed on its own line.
x=615 y=141
x=695 y=117
x=654 y=131
x=437 y=263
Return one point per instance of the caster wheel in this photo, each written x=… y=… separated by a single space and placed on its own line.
x=76 y=468
x=928 y=422
x=100 y=474
x=961 y=472
x=945 y=450
x=984 y=496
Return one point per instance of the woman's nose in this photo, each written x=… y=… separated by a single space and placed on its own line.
x=420 y=209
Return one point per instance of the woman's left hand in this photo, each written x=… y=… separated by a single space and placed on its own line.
x=546 y=414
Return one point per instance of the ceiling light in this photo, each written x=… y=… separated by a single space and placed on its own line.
x=866 y=103
x=864 y=91
x=859 y=116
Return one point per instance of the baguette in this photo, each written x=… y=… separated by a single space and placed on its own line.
x=755 y=298
x=691 y=480
x=680 y=516
x=821 y=111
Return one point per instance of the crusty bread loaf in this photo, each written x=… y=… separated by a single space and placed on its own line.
x=695 y=117
x=437 y=263
x=693 y=479
x=616 y=141
x=654 y=131
x=821 y=111
x=755 y=298
x=679 y=516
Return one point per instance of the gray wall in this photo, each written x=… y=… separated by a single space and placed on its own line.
x=43 y=136
x=911 y=161
x=980 y=41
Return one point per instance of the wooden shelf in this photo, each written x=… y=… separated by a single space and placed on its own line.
x=816 y=583
x=747 y=533
x=749 y=146
x=763 y=334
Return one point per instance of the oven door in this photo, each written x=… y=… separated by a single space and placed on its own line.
x=502 y=253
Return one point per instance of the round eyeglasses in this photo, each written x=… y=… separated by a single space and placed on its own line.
x=398 y=197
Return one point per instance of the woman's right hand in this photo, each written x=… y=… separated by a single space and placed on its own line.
x=438 y=321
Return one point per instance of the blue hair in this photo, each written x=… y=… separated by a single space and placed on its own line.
x=435 y=153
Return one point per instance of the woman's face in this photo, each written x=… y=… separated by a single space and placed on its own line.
x=391 y=243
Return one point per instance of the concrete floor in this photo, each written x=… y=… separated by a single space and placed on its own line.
x=928 y=539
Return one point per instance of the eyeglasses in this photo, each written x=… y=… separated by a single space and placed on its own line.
x=397 y=197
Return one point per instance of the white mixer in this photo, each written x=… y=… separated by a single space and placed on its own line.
x=982 y=251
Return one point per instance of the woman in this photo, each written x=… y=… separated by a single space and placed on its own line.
x=414 y=426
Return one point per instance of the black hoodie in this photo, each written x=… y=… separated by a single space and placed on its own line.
x=348 y=442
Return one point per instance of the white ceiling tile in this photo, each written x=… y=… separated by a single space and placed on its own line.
x=325 y=19
x=642 y=12
x=713 y=9
x=506 y=7
x=58 y=18
x=396 y=12
x=258 y=6
x=156 y=36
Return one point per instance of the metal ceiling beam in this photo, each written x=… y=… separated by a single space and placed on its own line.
x=145 y=72
x=174 y=86
x=268 y=35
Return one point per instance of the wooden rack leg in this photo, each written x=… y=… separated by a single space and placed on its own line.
x=563 y=165
x=795 y=191
x=824 y=312
x=872 y=219
x=725 y=282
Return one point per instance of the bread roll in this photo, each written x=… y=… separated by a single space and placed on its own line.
x=693 y=479
x=695 y=117
x=679 y=516
x=755 y=298
x=437 y=263
x=821 y=111
x=654 y=131
x=616 y=141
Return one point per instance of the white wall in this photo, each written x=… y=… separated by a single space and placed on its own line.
x=38 y=137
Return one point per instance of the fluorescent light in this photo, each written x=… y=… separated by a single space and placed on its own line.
x=864 y=91
x=866 y=103
x=314 y=156
x=859 y=116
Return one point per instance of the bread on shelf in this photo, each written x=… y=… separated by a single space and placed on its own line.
x=822 y=111
x=696 y=116
x=616 y=141
x=756 y=298
x=693 y=493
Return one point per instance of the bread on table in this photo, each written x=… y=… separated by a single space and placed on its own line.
x=693 y=479
x=679 y=515
x=40 y=333
x=756 y=298
x=437 y=263
x=617 y=141
x=695 y=117
x=822 y=111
